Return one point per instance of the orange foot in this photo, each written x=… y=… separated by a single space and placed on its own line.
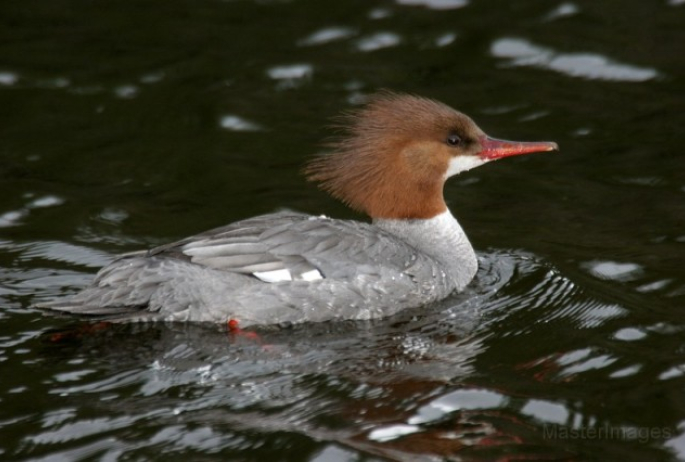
x=235 y=331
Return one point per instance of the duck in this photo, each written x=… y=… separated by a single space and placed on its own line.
x=390 y=161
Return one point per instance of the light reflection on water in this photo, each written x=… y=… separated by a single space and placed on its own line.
x=303 y=373
x=522 y=52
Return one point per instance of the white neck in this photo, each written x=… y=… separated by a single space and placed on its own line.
x=440 y=237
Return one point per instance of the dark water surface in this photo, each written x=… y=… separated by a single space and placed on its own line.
x=129 y=124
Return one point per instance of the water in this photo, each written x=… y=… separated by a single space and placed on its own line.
x=127 y=125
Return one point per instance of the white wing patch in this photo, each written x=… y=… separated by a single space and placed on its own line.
x=282 y=275
x=312 y=275
x=273 y=276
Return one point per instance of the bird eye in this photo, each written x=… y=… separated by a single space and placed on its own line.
x=454 y=140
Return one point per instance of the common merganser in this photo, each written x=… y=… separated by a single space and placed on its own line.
x=390 y=162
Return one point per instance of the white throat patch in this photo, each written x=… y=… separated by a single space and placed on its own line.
x=460 y=164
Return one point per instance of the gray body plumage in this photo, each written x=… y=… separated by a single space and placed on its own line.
x=338 y=269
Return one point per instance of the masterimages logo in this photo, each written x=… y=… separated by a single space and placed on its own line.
x=640 y=434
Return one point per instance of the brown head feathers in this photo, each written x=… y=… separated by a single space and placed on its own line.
x=392 y=156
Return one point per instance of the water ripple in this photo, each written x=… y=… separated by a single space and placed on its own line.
x=8 y=78
x=521 y=52
x=436 y=4
x=378 y=41
x=387 y=383
x=238 y=124
x=562 y=11
x=327 y=35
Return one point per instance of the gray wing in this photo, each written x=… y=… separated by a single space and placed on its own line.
x=329 y=261
x=289 y=246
